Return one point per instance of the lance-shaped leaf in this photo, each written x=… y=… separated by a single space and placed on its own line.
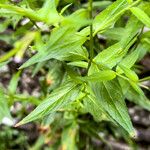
x=77 y=19
x=110 y=56
x=81 y=64
x=92 y=105
x=138 y=98
x=130 y=59
x=129 y=73
x=113 y=54
x=112 y=101
x=47 y=14
x=4 y=109
x=108 y=17
x=100 y=76
x=14 y=82
x=132 y=29
x=141 y=15
x=62 y=42
x=132 y=95
x=60 y=97
x=114 y=33
x=19 y=47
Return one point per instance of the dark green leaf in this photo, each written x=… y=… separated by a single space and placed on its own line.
x=112 y=101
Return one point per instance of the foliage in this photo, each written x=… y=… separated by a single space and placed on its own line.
x=80 y=76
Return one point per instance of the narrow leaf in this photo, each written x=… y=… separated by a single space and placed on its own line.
x=52 y=103
x=141 y=15
x=100 y=76
x=111 y=99
x=4 y=109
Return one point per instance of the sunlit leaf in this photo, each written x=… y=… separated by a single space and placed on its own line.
x=141 y=15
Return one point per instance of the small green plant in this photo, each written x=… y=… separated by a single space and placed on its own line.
x=84 y=78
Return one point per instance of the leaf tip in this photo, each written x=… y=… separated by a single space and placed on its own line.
x=18 y=124
x=133 y=134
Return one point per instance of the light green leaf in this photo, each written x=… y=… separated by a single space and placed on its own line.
x=53 y=102
x=77 y=19
x=132 y=29
x=62 y=42
x=114 y=33
x=141 y=15
x=99 y=4
x=130 y=59
x=19 y=11
x=19 y=47
x=4 y=109
x=48 y=13
x=14 y=82
x=129 y=73
x=113 y=54
x=135 y=86
x=110 y=56
x=108 y=17
x=100 y=76
x=81 y=64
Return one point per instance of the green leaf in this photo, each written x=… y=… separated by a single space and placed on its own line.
x=20 y=11
x=77 y=19
x=97 y=4
x=131 y=31
x=4 y=109
x=112 y=101
x=60 y=97
x=100 y=76
x=113 y=54
x=135 y=86
x=129 y=73
x=108 y=17
x=141 y=15
x=62 y=42
x=19 y=47
x=130 y=1
x=114 y=33
x=69 y=137
x=132 y=95
x=110 y=56
x=92 y=105
x=81 y=64
x=130 y=59
x=47 y=13
x=138 y=98
x=14 y=82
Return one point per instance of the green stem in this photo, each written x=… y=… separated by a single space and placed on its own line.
x=145 y=79
x=91 y=53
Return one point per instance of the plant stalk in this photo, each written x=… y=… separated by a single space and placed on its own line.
x=91 y=53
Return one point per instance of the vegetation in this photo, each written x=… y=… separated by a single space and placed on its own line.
x=83 y=58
